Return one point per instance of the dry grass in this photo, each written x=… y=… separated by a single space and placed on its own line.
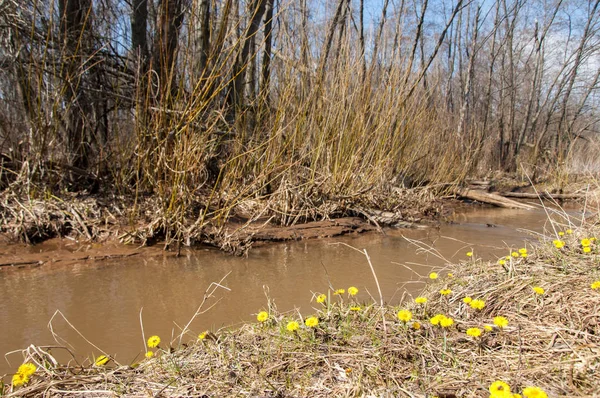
x=552 y=341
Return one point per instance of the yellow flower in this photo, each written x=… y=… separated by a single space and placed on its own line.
x=202 y=335
x=352 y=291
x=538 y=290
x=474 y=332
x=516 y=396
x=292 y=326
x=559 y=244
x=587 y=249
x=321 y=298
x=477 y=304
x=501 y=261
x=436 y=319
x=469 y=254
x=488 y=328
x=312 y=321
x=450 y=275
x=514 y=254
x=523 y=251
x=19 y=379
x=340 y=291
x=421 y=300
x=27 y=369
x=416 y=325
x=585 y=242
x=534 y=392
x=524 y=255
x=502 y=394
x=569 y=231
x=499 y=387
x=153 y=341
x=356 y=308
x=445 y=292
x=101 y=360
x=595 y=285
x=262 y=316
x=500 y=321
x=561 y=233
x=467 y=300
x=507 y=257
x=404 y=315
x=433 y=275
x=149 y=354
x=592 y=239
x=446 y=322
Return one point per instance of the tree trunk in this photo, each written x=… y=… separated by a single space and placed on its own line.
x=203 y=37
x=139 y=23
x=266 y=67
x=75 y=24
x=257 y=9
x=169 y=21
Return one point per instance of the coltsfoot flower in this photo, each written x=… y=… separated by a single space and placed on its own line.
x=469 y=254
x=262 y=316
x=499 y=387
x=538 y=290
x=445 y=292
x=467 y=300
x=500 y=321
x=311 y=322
x=202 y=335
x=149 y=354
x=321 y=298
x=442 y=320
x=477 y=304
x=436 y=319
x=19 y=379
x=559 y=244
x=292 y=326
x=421 y=300
x=585 y=242
x=153 y=341
x=27 y=369
x=534 y=392
x=352 y=291
x=474 y=332
x=355 y=308
x=404 y=315
x=446 y=322
x=595 y=285
x=340 y=291
x=433 y=275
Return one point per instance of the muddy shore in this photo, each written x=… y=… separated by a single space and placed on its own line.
x=35 y=233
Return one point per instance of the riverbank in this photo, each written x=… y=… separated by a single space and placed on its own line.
x=547 y=337
x=113 y=220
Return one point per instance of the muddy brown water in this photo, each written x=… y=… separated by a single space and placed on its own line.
x=103 y=300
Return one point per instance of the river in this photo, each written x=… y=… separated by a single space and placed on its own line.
x=103 y=300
